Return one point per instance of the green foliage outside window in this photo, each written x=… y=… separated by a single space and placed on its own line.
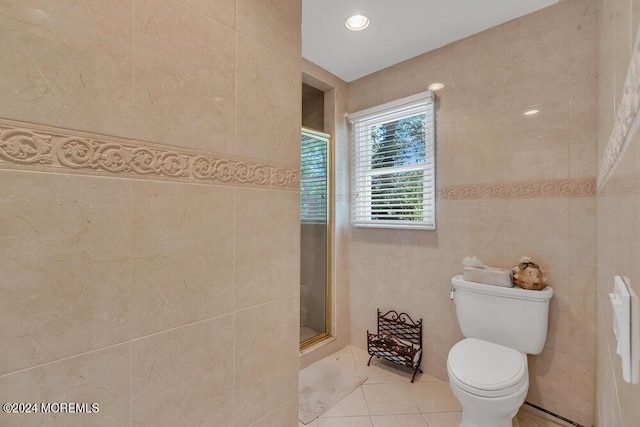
x=313 y=179
x=395 y=194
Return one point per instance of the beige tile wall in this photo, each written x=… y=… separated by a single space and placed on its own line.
x=618 y=210
x=545 y=60
x=167 y=302
x=312 y=107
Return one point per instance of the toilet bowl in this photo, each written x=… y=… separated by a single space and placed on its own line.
x=488 y=370
x=489 y=380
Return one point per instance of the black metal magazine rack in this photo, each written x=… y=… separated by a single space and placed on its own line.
x=399 y=340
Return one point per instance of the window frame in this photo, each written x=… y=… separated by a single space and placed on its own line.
x=361 y=206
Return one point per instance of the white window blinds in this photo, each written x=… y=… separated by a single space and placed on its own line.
x=394 y=164
x=314 y=163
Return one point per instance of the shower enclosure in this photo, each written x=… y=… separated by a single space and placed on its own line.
x=315 y=236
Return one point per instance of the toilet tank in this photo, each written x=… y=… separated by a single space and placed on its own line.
x=513 y=317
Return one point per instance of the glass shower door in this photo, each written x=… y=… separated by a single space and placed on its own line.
x=315 y=237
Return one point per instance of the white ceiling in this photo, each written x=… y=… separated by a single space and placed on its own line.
x=399 y=29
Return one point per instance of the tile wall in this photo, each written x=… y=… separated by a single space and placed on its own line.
x=149 y=219
x=618 y=198
x=509 y=185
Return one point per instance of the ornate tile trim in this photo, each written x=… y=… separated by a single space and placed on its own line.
x=628 y=185
x=627 y=120
x=34 y=147
x=584 y=187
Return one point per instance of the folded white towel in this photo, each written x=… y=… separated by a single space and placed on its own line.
x=473 y=262
x=488 y=276
x=416 y=348
x=476 y=271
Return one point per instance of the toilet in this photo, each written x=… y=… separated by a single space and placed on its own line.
x=488 y=371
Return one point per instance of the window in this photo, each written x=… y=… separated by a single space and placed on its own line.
x=394 y=164
x=314 y=163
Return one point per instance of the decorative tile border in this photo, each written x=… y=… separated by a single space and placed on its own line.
x=627 y=120
x=583 y=187
x=35 y=147
x=628 y=185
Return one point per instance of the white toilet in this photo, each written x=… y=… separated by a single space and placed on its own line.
x=488 y=370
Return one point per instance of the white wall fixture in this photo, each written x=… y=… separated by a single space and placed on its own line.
x=626 y=325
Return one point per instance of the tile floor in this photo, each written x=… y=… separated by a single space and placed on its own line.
x=388 y=399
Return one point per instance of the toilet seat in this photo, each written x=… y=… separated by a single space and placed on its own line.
x=486 y=369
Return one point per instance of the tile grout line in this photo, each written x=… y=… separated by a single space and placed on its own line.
x=8 y=374
x=506 y=236
x=366 y=404
x=263 y=303
x=271 y=412
x=413 y=399
x=196 y=11
x=233 y=319
x=131 y=132
x=133 y=68
x=505 y=151
x=131 y=285
x=235 y=104
x=260 y=43
x=364 y=395
x=132 y=340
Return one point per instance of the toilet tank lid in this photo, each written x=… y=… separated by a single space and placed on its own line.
x=518 y=293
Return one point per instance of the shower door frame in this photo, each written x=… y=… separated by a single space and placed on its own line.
x=328 y=304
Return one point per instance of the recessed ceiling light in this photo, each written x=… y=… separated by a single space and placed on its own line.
x=357 y=23
x=531 y=112
x=435 y=86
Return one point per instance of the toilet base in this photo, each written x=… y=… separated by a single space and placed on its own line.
x=471 y=418
x=479 y=411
